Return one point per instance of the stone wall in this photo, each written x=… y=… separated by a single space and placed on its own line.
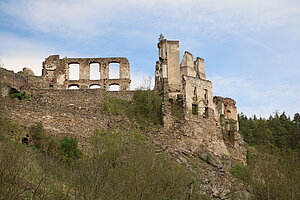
x=72 y=113
x=10 y=81
x=82 y=98
x=57 y=75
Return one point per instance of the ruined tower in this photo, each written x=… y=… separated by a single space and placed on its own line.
x=168 y=77
x=186 y=82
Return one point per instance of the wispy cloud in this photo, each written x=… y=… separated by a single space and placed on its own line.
x=96 y=18
x=17 y=53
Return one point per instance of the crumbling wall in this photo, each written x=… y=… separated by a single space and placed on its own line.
x=197 y=93
x=187 y=80
x=212 y=120
x=56 y=72
x=226 y=108
x=10 y=81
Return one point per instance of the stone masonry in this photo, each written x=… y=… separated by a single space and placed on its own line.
x=186 y=82
x=56 y=72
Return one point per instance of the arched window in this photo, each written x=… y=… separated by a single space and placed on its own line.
x=95 y=71
x=95 y=86
x=114 y=87
x=114 y=70
x=73 y=87
x=73 y=71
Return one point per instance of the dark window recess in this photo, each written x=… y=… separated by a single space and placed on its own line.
x=206 y=113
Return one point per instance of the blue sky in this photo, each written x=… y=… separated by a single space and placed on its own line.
x=251 y=47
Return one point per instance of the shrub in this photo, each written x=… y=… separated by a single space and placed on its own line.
x=241 y=172
x=177 y=110
x=146 y=108
x=37 y=134
x=68 y=149
x=20 y=95
x=115 y=106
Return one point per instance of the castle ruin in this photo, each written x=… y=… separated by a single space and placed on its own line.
x=185 y=84
x=207 y=123
x=204 y=136
x=56 y=72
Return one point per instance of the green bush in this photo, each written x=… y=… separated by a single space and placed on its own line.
x=68 y=149
x=21 y=95
x=177 y=110
x=145 y=107
x=37 y=134
x=241 y=172
x=115 y=106
x=195 y=109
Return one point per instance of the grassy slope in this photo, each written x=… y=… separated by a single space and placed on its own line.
x=121 y=165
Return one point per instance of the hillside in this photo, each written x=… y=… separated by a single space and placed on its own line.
x=88 y=144
x=77 y=114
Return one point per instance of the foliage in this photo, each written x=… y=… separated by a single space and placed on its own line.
x=145 y=107
x=68 y=149
x=21 y=176
x=279 y=131
x=115 y=106
x=37 y=134
x=121 y=165
x=20 y=95
x=177 y=110
x=9 y=129
x=276 y=175
x=274 y=162
x=241 y=172
x=195 y=109
x=124 y=166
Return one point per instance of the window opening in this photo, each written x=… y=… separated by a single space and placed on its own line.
x=74 y=87
x=114 y=87
x=95 y=71
x=114 y=70
x=74 y=71
x=95 y=86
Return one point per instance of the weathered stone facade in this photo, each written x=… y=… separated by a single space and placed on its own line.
x=211 y=121
x=56 y=72
x=187 y=81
